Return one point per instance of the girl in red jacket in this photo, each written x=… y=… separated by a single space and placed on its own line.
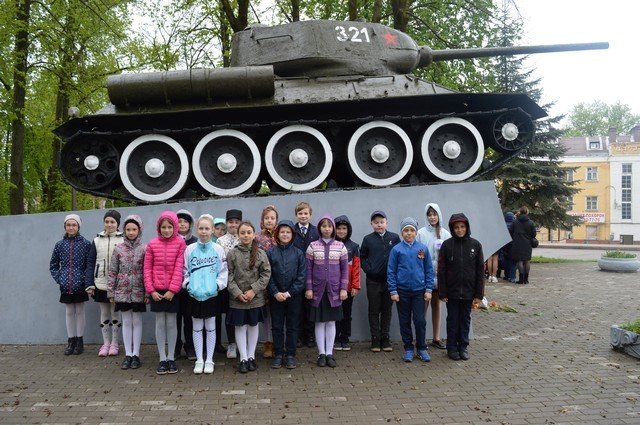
x=163 y=263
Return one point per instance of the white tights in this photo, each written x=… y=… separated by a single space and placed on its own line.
x=166 y=334
x=132 y=332
x=75 y=319
x=109 y=323
x=247 y=339
x=325 y=337
x=209 y=325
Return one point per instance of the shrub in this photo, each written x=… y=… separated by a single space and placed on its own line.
x=633 y=327
x=618 y=254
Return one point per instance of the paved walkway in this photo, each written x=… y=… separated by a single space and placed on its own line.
x=548 y=363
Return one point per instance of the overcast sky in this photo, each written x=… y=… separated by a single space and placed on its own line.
x=569 y=78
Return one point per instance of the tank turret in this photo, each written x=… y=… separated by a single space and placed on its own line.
x=302 y=104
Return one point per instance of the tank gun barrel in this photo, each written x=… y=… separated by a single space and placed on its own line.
x=428 y=55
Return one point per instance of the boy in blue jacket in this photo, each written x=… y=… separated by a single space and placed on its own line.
x=410 y=279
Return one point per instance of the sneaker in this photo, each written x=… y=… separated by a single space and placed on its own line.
x=276 y=363
x=424 y=355
x=385 y=343
x=331 y=361
x=464 y=354
x=191 y=354
x=408 y=356
x=162 y=368
x=172 y=368
x=114 y=349
x=438 y=344
x=208 y=367
x=126 y=363
x=322 y=360
x=252 y=364
x=198 y=368
x=338 y=346
x=345 y=346
x=290 y=362
x=243 y=366
x=453 y=355
x=232 y=351
x=375 y=345
x=135 y=362
x=104 y=350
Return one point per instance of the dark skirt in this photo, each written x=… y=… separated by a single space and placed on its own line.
x=135 y=307
x=100 y=296
x=74 y=298
x=241 y=317
x=203 y=309
x=324 y=312
x=164 y=306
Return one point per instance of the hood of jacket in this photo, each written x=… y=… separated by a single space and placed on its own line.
x=436 y=208
x=290 y=225
x=459 y=217
x=328 y=217
x=523 y=217
x=173 y=218
x=136 y=219
x=509 y=217
x=187 y=216
x=343 y=219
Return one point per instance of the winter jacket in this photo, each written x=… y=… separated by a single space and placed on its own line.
x=522 y=232
x=509 y=218
x=288 y=270
x=205 y=270
x=164 y=259
x=327 y=268
x=99 y=260
x=302 y=242
x=374 y=254
x=241 y=278
x=353 y=249
x=410 y=268
x=461 y=265
x=188 y=238
x=68 y=265
x=125 y=282
x=228 y=242
x=427 y=235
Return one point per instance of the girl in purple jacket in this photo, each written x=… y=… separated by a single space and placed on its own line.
x=327 y=282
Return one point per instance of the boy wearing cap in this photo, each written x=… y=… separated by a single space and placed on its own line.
x=228 y=241
x=460 y=282
x=374 y=256
x=219 y=228
x=410 y=277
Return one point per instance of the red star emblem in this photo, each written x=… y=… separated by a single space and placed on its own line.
x=390 y=39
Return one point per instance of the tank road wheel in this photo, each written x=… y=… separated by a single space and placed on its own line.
x=452 y=149
x=511 y=131
x=380 y=153
x=298 y=158
x=154 y=168
x=91 y=164
x=226 y=162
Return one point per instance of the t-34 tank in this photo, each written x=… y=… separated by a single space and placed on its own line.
x=302 y=104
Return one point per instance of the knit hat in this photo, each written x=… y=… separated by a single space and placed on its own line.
x=237 y=214
x=409 y=222
x=74 y=217
x=219 y=220
x=113 y=214
x=378 y=213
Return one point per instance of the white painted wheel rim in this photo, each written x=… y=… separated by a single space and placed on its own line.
x=91 y=162
x=281 y=181
x=432 y=167
x=175 y=189
x=220 y=191
x=360 y=173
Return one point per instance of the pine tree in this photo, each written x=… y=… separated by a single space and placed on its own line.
x=534 y=178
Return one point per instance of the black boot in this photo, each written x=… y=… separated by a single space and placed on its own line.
x=526 y=278
x=79 y=348
x=71 y=345
x=520 y=279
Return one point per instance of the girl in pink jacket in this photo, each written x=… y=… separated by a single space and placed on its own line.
x=163 y=262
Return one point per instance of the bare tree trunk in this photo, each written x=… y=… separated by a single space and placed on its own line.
x=225 y=38
x=295 y=10
x=377 y=11
x=400 y=14
x=353 y=10
x=240 y=21
x=21 y=50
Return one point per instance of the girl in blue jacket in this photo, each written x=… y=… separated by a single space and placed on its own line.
x=68 y=267
x=205 y=273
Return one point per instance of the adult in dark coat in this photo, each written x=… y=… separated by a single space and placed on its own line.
x=522 y=232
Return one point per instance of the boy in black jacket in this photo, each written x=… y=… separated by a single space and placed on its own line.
x=374 y=255
x=460 y=283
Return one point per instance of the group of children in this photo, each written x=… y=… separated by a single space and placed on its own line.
x=297 y=280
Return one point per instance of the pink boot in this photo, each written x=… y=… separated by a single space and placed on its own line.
x=114 y=349
x=104 y=350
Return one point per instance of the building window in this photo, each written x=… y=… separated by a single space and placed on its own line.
x=568 y=175
x=594 y=145
x=626 y=168
x=625 y=182
x=592 y=174
x=592 y=203
x=626 y=211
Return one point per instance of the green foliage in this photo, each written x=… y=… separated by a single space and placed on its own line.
x=551 y=260
x=632 y=327
x=618 y=254
x=596 y=118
